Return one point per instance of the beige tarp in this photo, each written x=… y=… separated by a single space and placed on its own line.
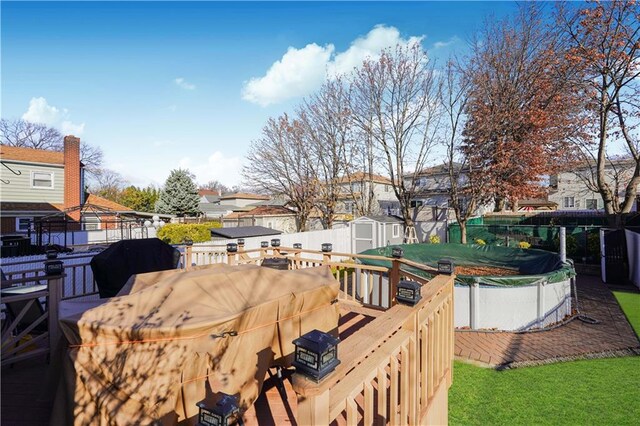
x=153 y=354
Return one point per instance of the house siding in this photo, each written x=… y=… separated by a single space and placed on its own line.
x=19 y=188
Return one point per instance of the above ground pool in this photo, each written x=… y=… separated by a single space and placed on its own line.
x=535 y=294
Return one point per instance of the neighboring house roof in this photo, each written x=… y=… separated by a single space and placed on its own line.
x=211 y=198
x=244 y=195
x=364 y=177
x=267 y=211
x=17 y=207
x=537 y=202
x=31 y=155
x=277 y=201
x=243 y=232
x=205 y=192
x=436 y=170
x=97 y=201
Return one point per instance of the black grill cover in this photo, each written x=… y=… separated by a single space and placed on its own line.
x=113 y=266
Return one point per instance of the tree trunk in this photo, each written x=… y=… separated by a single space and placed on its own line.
x=499 y=201
x=463 y=232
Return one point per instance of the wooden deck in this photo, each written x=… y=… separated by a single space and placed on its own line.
x=25 y=400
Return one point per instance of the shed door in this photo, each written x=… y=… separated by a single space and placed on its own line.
x=363 y=236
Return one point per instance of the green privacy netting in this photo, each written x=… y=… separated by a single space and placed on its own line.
x=532 y=265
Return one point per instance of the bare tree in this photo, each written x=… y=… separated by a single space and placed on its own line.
x=108 y=184
x=394 y=103
x=325 y=122
x=603 y=44
x=281 y=165
x=22 y=133
x=215 y=185
x=468 y=185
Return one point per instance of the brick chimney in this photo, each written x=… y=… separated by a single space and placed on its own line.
x=72 y=176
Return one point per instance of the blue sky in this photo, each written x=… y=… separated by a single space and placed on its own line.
x=162 y=85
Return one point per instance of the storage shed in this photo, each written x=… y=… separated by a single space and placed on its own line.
x=369 y=232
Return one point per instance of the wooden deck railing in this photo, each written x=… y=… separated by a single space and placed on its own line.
x=30 y=318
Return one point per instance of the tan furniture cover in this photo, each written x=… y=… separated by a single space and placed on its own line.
x=153 y=354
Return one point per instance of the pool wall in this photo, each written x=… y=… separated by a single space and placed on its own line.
x=478 y=306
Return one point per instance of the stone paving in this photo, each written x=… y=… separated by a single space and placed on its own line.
x=612 y=336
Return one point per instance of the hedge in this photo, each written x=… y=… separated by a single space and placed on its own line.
x=176 y=233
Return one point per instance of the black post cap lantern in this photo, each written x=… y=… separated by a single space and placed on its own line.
x=240 y=241
x=408 y=292
x=316 y=354
x=275 y=242
x=187 y=241
x=232 y=247
x=397 y=252
x=264 y=244
x=446 y=266
x=52 y=266
x=327 y=247
x=225 y=409
x=297 y=246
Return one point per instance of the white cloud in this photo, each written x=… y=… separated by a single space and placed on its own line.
x=441 y=44
x=181 y=82
x=301 y=71
x=40 y=111
x=217 y=166
x=296 y=74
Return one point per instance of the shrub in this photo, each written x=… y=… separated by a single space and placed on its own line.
x=480 y=242
x=176 y=233
x=434 y=239
x=524 y=245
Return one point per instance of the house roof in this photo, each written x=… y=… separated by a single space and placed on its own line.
x=536 y=202
x=97 y=201
x=267 y=211
x=383 y=218
x=10 y=206
x=211 y=198
x=364 y=177
x=243 y=232
x=244 y=195
x=436 y=170
x=202 y=192
x=31 y=155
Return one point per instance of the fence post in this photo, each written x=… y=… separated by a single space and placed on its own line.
x=54 y=287
x=563 y=244
x=394 y=279
x=313 y=409
x=188 y=256
x=474 y=302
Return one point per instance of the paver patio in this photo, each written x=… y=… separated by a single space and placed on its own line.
x=613 y=335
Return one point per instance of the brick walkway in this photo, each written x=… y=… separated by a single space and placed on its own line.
x=613 y=336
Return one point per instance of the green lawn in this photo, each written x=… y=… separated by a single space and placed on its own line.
x=592 y=392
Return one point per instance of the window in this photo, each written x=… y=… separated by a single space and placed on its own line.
x=387 y=188
x=396 y=230
x=416 y=203
x=23 y=224
x=348 y=207
x=42 y=180
x=591 y=204
x=569 y=202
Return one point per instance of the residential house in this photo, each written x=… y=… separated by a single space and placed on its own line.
x=47 y=187
x=218 y=206
x=569 y=189
x=357 y=187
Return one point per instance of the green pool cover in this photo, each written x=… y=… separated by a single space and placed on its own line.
x=532 y=265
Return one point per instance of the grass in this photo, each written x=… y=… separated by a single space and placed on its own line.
x=630 y=303
x=591 y=392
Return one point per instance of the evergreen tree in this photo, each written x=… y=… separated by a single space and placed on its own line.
x=179 y=195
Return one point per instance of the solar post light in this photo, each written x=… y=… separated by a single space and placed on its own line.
x=275 y=242
x=232 y=247
x=187 y=241
x=53 y=266
x=316 y=354
x=297 y=246
x=445 y=266
x=327 y=247
x=225 y=410
x=408 y=292
x=397 y=252
x=240 y=241
x=264 y=244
